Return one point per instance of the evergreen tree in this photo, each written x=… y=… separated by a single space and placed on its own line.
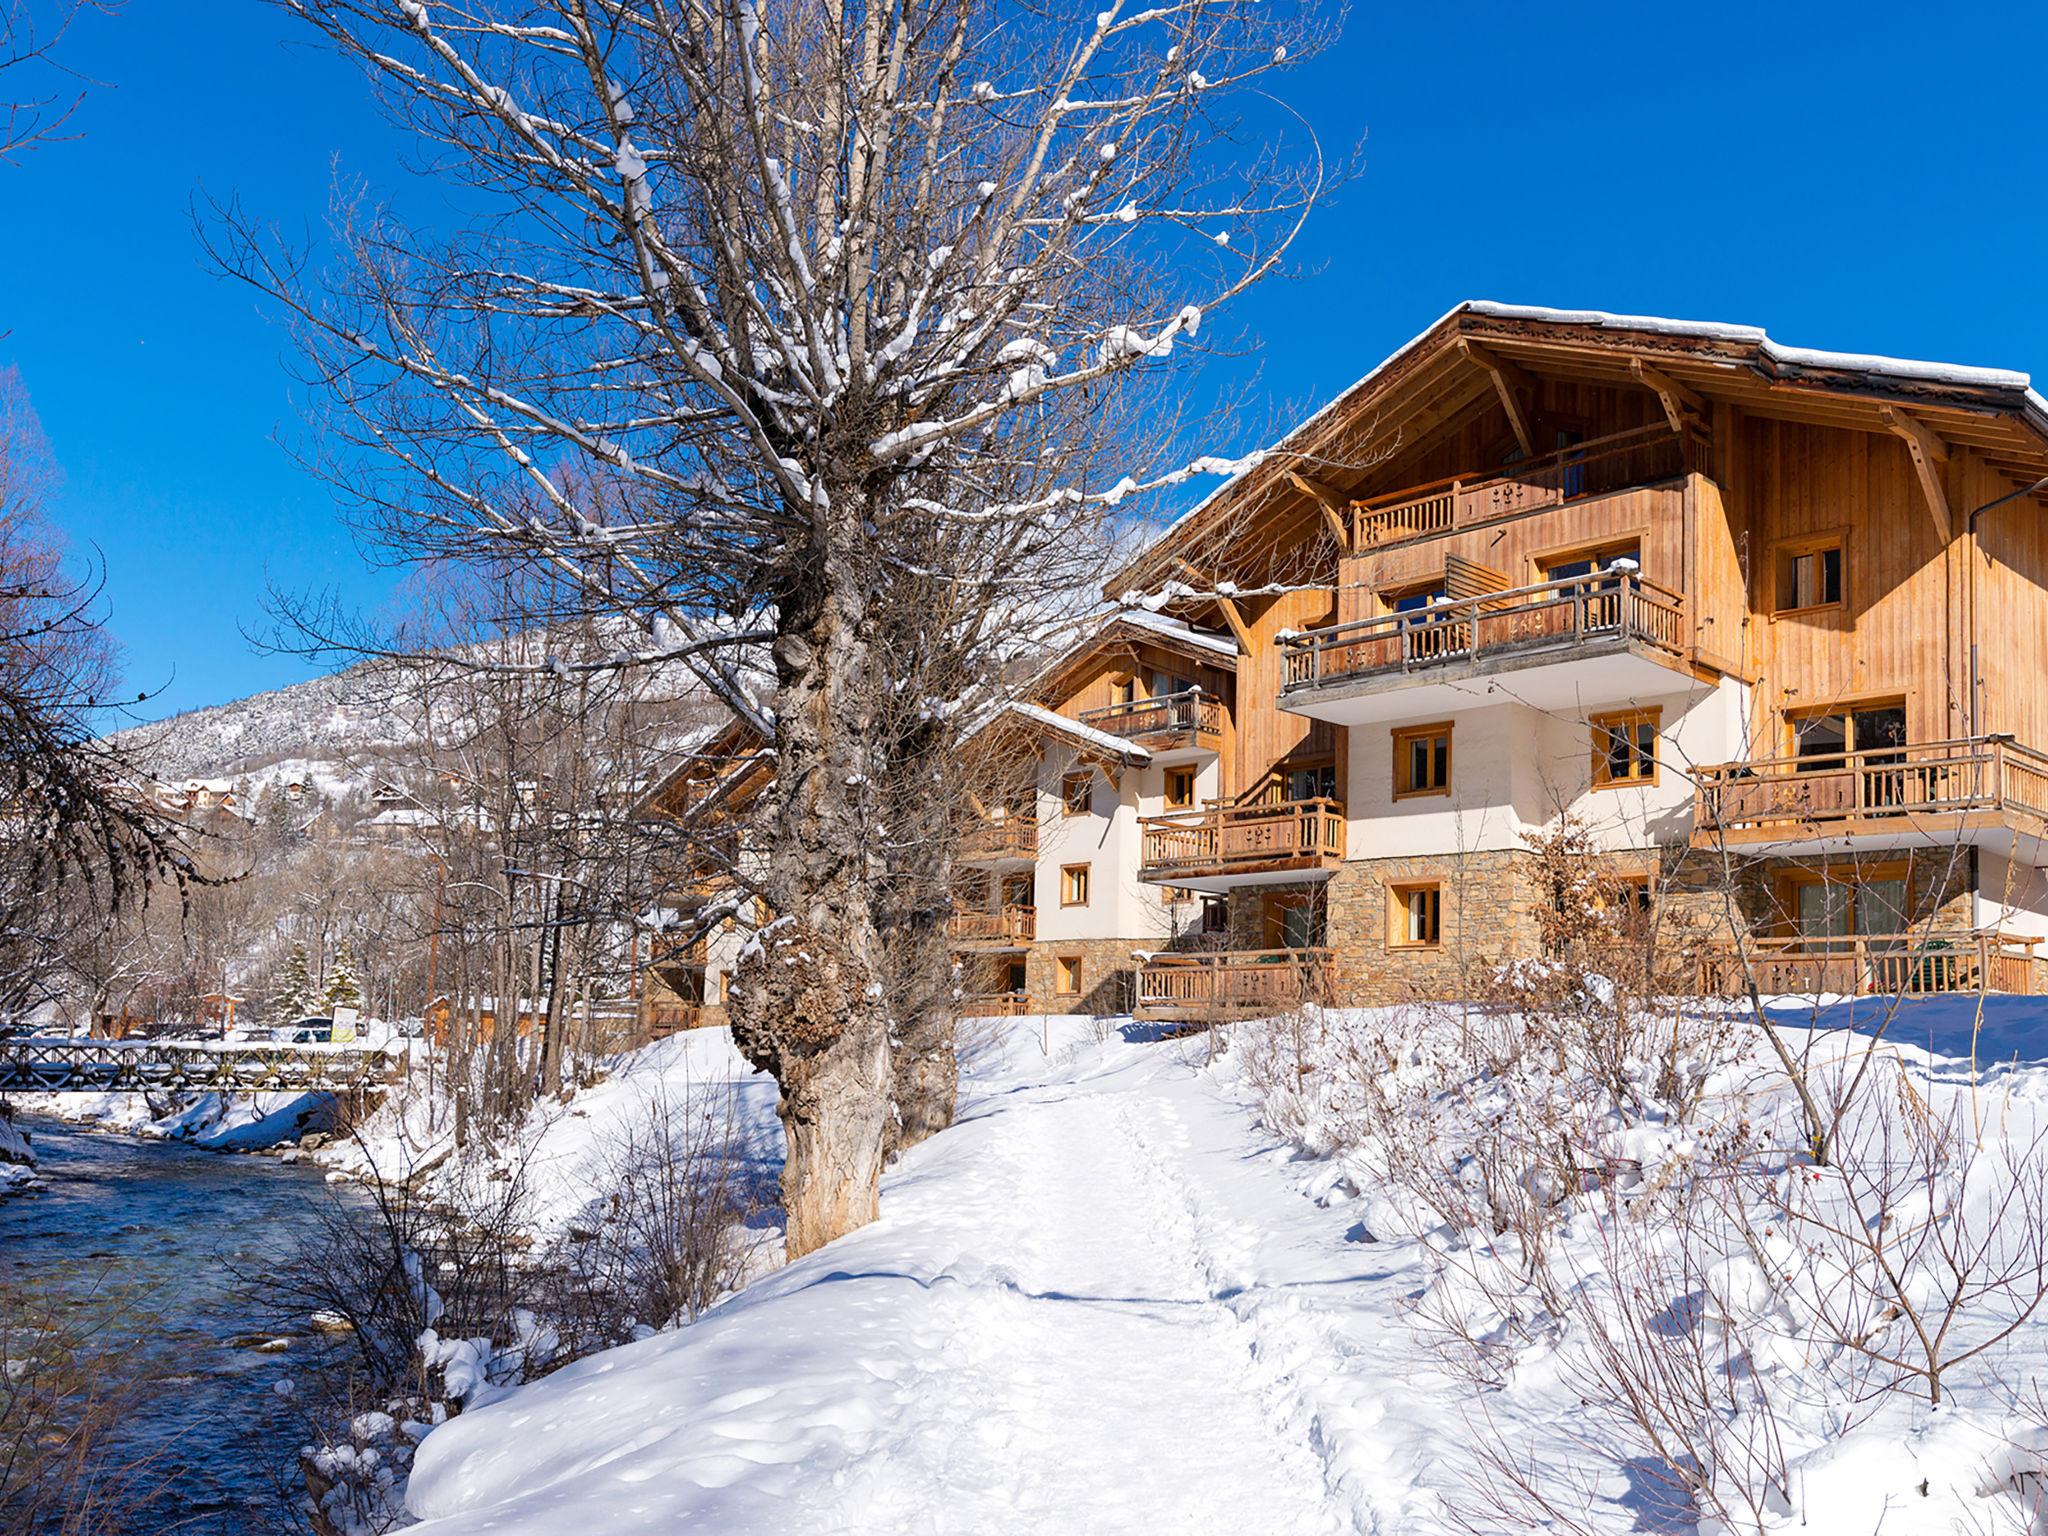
x=342 y=988
x=294 y=996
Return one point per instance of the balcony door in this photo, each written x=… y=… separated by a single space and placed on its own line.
x=1830 y=907
x=1294 y=921
x=1864 y=747
x=1016 y=891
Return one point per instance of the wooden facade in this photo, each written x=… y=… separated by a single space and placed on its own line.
x=1845 y=555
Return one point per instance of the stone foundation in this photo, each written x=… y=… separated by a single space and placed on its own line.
x=1108 y=974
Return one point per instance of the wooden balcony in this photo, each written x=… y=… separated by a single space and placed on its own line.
x=1550 y=635
x=999 y=840
x=1243 y=844
x=1190 y=720
x=1010 y=928
x=1890 y=797
x=1599 y=467
x=1879 y=965
x=1229 y=984
x=994 y=1005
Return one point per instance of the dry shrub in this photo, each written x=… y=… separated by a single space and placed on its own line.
x=678 y=1196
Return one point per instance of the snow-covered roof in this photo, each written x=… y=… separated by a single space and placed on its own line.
x=1897 y=369
x=1101 y=741
x=1182 y=630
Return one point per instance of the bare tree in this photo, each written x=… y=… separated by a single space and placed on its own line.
x=776 y=321
x=38 y=93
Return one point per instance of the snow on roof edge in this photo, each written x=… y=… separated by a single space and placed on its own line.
x=1712 y=330
x=1178 y=629
x=1045 y=717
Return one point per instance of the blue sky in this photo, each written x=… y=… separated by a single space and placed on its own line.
x=1862 y=177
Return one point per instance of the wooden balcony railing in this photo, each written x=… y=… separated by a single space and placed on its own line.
x=1599 y=467
x=1230 y=983
x=1012 y=925
x=1242 y=838
x=1010 y=837
x=1551 y=616
x=1762 y=800
x=664 y=1019
x=982 y=1005
x=1191 y=713
x=1883 y=965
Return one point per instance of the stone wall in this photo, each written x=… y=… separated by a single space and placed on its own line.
x=1108 y=974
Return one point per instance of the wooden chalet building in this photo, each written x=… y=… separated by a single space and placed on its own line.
x=692 y=929
x=1762 y=620
x=1051 y=907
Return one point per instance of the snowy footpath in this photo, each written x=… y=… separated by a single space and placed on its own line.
x=1103 y=1302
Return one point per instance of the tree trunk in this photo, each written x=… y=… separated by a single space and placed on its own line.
x=807 y=1003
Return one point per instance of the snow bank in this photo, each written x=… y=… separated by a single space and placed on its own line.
x=562 y=1149
x=232 y=1122
x=17 y=1158
x=1136 y=1289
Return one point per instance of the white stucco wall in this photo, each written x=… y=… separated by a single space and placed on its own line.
x=2011 y=895
x=1109 y=841
x=1514 y=769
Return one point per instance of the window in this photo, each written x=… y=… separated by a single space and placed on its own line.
x=1073 y=885
x=1587 y=562
x=1310 y=781
x=1809 y=575
x=1294 y=922
x=1016 y=891
x=1422 y=760
x=1124 y=691
x=1820 y=740
x=1831 y=903
x=1077 y=793
x=1180 y=788
x=1414 y=915
x=1625 y=748
x=1412 y=599
x=1177 y=895
x=1066 y=978
x=1215 y=916
x=1165 y=684
x=1014 y=977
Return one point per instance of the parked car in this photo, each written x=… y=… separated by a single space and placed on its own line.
x=306 y=1032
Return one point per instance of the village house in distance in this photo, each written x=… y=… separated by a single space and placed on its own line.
x=1764 y=624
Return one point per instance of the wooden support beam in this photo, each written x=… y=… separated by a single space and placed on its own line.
x=1232 y=615
x=1929 y=453
x=1336 y=509
x=1676 y=399
x=1507 y=381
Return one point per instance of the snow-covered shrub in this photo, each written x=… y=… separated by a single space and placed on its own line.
x=669 y=1229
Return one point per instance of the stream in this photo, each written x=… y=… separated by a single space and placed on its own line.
x=172 y=1226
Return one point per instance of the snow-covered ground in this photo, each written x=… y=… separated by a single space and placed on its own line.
x=1099 y=1303
x=1114 y=1297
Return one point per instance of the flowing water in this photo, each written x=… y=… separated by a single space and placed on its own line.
x=181 y=1233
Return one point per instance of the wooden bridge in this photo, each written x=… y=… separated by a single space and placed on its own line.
x=134 y=1066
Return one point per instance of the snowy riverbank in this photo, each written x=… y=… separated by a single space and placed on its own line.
x=217 y=1122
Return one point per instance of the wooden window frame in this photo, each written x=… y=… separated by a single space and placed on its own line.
x=1849 y=875
x=1315 y=765
x=1068 y=885
x=1406 y=735
x=1398 y=893
x=1085 y=778
x=1064 y=966
x=1790 y=718
x=1192 y=778
x=1585 y=549
x=1391 y=594
x=1176 y=895
x=1783 y=550
x=1123 y=689
x=1604 y=725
